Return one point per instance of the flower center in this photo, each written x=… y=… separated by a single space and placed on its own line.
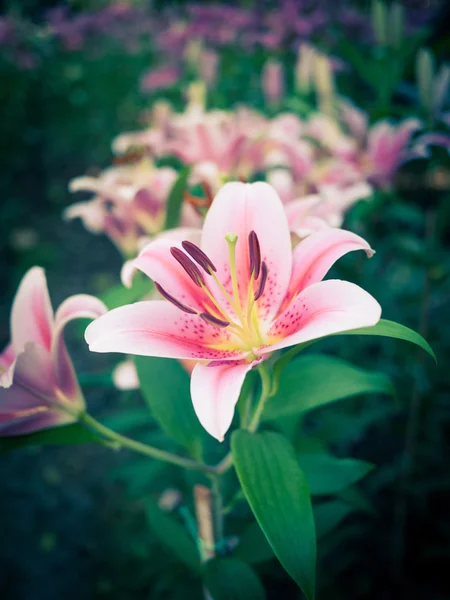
x=231 y=308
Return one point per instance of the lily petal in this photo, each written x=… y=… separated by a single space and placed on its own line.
x=29 y=420
x=30 y=403
x=156 y=261
x=80 y=306
x=215 y=390
x=32 y=313
x=315 y=255
x=322 y=309
x=157 y=328
x=241 y=208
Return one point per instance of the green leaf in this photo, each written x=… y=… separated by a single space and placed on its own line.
x=175 y=201
x=394 y=330
x=165 y=385
x=65 y=435
x=232 y=579
x=253 y=546
x=314 y=380
x=383 y=328
x=120 y=295
x=172 y=535
x=328 y=515
x=327 y=474
x=277 y=492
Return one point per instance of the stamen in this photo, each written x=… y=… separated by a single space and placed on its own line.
x=199 y=256
x=173 y=300
x=191 y=268
x=213 y=320
x=262 y=283
x=255 y=254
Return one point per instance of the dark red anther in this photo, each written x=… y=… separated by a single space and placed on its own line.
x=191 y=268
x=173 y=300
x=213 y=320
x=255 y=254
x=262 y=283
x=199 y=256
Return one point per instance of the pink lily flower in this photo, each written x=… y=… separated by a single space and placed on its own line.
x=129 y=202
x=325 y=209
x=236 y=299
x=388 y=146
x=38 y=385
x=162 y=77
x=152 y=140
x=272 y=82
x=218 y=144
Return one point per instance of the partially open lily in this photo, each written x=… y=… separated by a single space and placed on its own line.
x=244 y=294
x=38 y=385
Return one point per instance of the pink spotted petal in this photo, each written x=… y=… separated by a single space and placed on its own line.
x=80 y=306
x=157 y=262
x=323 y=309
x=32 y=314
x=157 y=328
x=240 y=208
x=215 y=390
x=315 y=255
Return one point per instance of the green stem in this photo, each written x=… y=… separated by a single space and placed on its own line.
x=265 y=394
x=224 y=465
x=139 y=447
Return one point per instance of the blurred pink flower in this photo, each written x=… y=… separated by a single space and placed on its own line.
x=272 y=82
x=388 y=146
x=129 y=202
x=38 y=385
x=208 y=66
x=241 y=296
x=325 y=209
x=159 y=78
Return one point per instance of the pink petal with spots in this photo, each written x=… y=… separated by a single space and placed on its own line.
x=315 y=255
x=157 y=262
x=80 y=306
x=32 y=314
x=323 y=309
x=241 y=208
x=215 y=390
x=157 y=328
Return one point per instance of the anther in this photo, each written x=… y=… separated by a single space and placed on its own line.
x=255 y=254
x=213 y=320
x=199 y=256
x=173 y=300
x=262 y=283
x=191 y=268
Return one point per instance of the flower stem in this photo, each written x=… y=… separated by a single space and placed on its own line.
x=265 y=394
x=122 y=441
